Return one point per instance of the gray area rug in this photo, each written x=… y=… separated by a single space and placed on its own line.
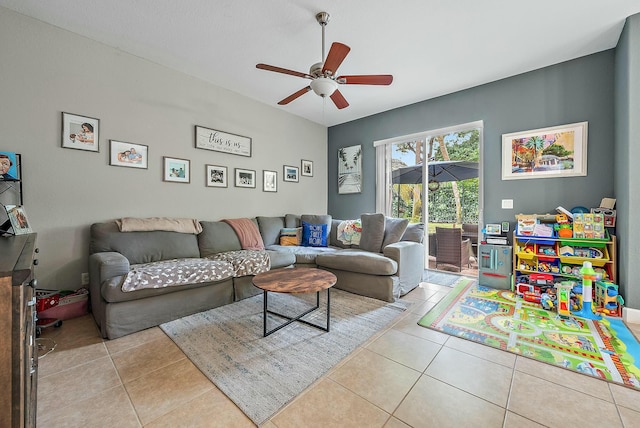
x=441 y=278
x=263 y=374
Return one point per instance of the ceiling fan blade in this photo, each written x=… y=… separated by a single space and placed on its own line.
x=294 y=96
x=337 y=54
x=370 y=79
x=339 y=100
x=282 y=70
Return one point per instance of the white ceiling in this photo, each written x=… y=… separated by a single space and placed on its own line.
x=432 y=47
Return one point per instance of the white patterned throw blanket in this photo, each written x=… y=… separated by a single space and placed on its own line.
x=245 y=262
x=169 y=273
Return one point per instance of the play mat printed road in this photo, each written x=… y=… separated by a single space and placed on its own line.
x=605 y=349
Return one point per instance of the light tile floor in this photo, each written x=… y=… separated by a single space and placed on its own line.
x=405 y=376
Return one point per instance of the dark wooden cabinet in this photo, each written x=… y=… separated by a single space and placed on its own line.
x=18 y=354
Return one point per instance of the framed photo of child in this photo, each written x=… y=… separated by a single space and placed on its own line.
x=128 y=154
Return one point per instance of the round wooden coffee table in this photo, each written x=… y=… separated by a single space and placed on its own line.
x=295 y=280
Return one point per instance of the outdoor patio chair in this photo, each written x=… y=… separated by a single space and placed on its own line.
x=451 y=249
x=470 y=231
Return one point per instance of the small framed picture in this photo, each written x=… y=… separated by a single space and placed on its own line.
x=176 y=170
x=245 y=178
x=18 y=219
x=80 y=132
x=307 y=168
x=291 y=173
x=269 y=181
x=216 y=176
x=128 y=154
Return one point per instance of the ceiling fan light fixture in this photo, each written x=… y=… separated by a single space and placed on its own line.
x=324 y=86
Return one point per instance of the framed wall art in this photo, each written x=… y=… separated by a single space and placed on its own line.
x=216 y=176
x=176 y=170
x=307 y=168
x=291 y=173
x=128 y=154
x=219 y=141
x=9 y=170
x=80 y=132
x=350 y=169
x=269 y=181
x=245 y=178
x=558 y=151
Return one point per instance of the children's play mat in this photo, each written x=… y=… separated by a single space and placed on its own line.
x=605 y=348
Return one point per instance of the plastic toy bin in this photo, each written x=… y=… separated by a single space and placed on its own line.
x=600 y=262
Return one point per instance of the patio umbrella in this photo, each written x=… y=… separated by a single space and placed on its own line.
x=439 y=171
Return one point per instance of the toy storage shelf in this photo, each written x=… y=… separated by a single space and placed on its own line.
x=536 y=255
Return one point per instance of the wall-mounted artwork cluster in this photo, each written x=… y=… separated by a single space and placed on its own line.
x=81 y=133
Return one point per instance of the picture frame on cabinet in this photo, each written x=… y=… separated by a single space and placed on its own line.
x=18 y=218
x=80 y=132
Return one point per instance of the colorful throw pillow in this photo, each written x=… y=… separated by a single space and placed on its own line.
x=314 y=235
x=291 y=236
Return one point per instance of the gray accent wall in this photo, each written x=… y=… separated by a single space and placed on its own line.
x=627 y=153
x=575 y=91
x=46 y=71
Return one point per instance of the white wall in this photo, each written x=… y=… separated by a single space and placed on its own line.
x=45 y=70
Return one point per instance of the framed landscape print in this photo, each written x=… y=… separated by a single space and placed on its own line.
x=128 y=154
x=307 y=168
x=269 y=181
x=216 y=176
x=80 y=132
x=558 y=151
x=219 y=141
x=245 y=178
x=291 y=173
x=350 y=169
x=176 y=170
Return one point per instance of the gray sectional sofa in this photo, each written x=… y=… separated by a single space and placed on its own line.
x=383 y=266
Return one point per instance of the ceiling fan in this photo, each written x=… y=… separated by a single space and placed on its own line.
x=323 y=74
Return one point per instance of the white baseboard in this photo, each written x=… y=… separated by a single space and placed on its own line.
x=631 y=315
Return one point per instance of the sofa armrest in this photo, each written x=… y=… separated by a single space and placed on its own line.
x=410 y=258
x=103 y=266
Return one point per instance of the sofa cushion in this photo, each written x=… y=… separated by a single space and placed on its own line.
x=316 y=219
x=314 y=235
x=292 y=220
x=172 y=273
x=142 y=247
x=358 y=261
x=304 y=255
x=393 y=230
x=217 y=237
x=280 y=259
x=372 y=232
x=270 y=229
x=414 y=232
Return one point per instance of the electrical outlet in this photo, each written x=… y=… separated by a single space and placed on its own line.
x=84 y=278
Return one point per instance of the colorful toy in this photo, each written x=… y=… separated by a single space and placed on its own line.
x=588 y=276
x=563 y=226
x=607 y=298
x=564 y=298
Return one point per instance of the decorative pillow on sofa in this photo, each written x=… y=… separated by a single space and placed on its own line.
x=414 y=232
x=372 y=232
x=314 y=235
x=393 y=230
x=291 y=236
